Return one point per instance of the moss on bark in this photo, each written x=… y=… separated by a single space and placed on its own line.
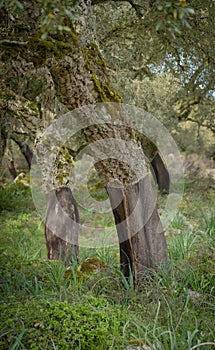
x=96 y=65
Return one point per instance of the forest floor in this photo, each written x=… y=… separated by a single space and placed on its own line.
x=90 y=305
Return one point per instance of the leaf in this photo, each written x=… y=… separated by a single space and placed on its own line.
x=159 y=26
x=189 y=11
x=175 y=14
x=69 y=14
x=44 y=36
x=51 y=15
x=19 y=5
x=168 y=5
x=177 y=30
x=185 y=23
x=181 y=13
x=65 y=28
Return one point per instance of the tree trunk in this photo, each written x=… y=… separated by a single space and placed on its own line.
x=141 y=237
x=121 y=165
x=12 y=169
x=3 y=139
x=158 y=168
x=61 y=225
x=161 y=174
x=27 y=153
x=25 y=149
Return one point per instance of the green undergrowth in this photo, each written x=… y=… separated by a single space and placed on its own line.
x=89 y=324
x=90 y=305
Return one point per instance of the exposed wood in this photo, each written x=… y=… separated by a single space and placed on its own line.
x=141 y=237
x=161 y=174
x=61 y=225
x=12 y=169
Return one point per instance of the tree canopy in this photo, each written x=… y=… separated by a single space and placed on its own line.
x=159 y=54
x=167 y=44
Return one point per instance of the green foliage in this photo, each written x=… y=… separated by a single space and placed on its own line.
x=89 y=324
x=175 y=16
x=14 y=5
x=54 y=14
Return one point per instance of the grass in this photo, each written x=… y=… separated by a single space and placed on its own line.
x=46 y=306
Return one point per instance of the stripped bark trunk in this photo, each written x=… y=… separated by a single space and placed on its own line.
x=133 y=201
x=61 y=225
x=161 y=174
x=12 y=169
x=3 y=138
x=141 y=237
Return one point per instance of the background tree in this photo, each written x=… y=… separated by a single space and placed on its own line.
x=160 y=58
